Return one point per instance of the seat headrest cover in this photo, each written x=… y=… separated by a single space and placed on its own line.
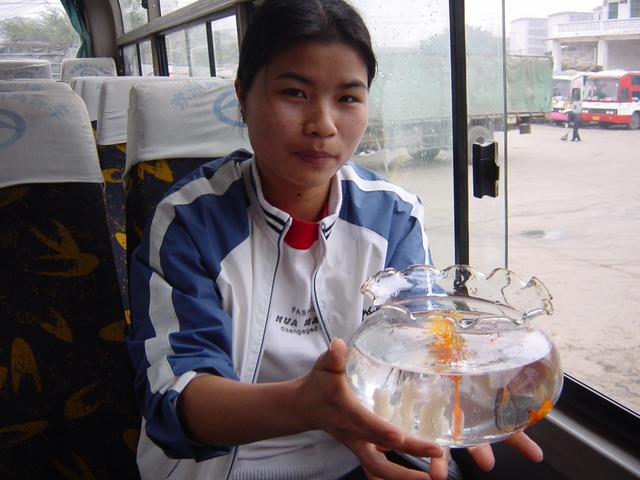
x=183 y=119
x=46 y=137
x=113 y=104
x=87 y=67
x=27 y=68
x=89 y=89
x=38 y=85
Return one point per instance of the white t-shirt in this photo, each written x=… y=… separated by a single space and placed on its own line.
x=294 y=341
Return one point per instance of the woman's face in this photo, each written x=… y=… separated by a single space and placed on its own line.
x=306 y=112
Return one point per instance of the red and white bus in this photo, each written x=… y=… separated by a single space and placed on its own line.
x=612 y=98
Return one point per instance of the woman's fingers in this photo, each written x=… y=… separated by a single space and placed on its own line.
x=483 y=456
x=522 y=443
x=377 y=466
x=440 y=467
x=420 y=448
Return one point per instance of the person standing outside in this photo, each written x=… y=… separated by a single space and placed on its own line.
x=575 y=120
x=249 y=271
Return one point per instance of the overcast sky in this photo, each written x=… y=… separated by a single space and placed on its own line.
x=398 y=19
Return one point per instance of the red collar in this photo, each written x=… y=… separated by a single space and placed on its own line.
x=302 y=234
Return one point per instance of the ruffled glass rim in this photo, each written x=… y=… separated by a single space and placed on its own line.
x=502 y=287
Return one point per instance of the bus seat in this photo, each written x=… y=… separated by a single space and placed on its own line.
x=111 y=139
x=65 y=374
x=87 y=67
x=36 y=85
x=12 y=69
x=89 y=90
x=173 y=128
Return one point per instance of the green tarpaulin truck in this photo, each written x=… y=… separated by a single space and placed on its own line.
x=410 y=102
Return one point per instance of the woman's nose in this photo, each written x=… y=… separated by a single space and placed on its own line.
x=319 y=121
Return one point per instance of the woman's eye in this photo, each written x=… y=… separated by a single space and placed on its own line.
x=294 y=92
x=348 y=99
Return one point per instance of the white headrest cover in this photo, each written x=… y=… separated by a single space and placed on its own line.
x=183 y=119
x=28 y=68
x=113 y=105
x=87 y=67
x=46 y=138
x=89 y=89
x=38 y=85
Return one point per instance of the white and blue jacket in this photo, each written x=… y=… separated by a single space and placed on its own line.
x=202 y=280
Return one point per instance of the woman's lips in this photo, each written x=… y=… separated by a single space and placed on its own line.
x=315 y=156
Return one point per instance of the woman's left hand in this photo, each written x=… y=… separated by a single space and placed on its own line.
x=483 y=454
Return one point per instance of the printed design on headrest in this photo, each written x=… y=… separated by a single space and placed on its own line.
x=87 y=73
x=42 y=102
x=225 y=108
x=89 y=70
x=12 y=127
x=79 y=263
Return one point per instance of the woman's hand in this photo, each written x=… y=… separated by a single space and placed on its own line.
x=327 y=403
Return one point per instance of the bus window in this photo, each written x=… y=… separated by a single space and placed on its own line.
x=38 y=30
x=187 y=52
x=624 y=95
x=146 y=59
x=225 y=46
x=575 y=95
x=131 y=61
x=133 y=14
x=168 y=6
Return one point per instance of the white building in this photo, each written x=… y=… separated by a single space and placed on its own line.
x=606 y=38
x=612 y=33
x=529 y=36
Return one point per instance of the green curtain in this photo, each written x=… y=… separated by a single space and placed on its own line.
x=74 y=11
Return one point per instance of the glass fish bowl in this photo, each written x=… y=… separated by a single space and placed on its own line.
x=452 y=355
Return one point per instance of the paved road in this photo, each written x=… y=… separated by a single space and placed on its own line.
x=574 y=222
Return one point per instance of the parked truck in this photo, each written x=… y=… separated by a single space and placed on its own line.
x=410 y=102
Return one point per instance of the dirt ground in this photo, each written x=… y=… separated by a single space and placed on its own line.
x=574 y=222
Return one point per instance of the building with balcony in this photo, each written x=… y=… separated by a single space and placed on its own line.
x=606 y=38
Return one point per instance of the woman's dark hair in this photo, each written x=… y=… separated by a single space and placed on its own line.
x=278 y=24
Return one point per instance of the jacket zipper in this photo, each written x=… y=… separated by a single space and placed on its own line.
x=325 y=330
x=264 y=334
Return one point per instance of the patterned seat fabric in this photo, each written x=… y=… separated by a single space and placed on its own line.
x=65 y=378
x=112 y=159
x=65 y=373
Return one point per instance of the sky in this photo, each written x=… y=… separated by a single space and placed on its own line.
x=25 y=8
x=401 y=21
x=401 y=18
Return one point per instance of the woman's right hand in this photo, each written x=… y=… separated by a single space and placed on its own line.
x=327 y=403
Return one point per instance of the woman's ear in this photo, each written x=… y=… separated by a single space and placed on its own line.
x=241 y=94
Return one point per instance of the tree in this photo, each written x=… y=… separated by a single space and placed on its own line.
x=52 y=26
x=134 y=14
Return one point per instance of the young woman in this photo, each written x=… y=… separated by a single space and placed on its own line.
x=250 y=270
